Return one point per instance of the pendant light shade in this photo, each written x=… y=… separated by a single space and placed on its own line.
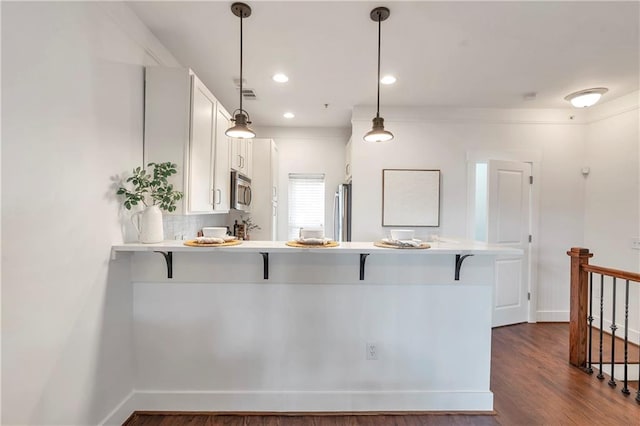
x=378 y=133
x=241 y=120
x=241 y=128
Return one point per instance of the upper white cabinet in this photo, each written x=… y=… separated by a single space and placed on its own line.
x=242 y=156
x=264 y=186
x=347 y=166
x=275 y=168
x=222 y=173
x=202 y=145
x=185 y=124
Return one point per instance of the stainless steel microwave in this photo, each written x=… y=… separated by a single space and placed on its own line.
x=240 y=192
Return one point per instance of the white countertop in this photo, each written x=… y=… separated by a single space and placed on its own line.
x=439 y=247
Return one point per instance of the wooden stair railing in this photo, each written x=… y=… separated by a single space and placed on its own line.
x=581 y=315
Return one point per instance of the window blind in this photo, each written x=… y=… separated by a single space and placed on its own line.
x=306 y=202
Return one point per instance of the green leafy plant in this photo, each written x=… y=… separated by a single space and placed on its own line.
x=248 y=223
x=152 y=189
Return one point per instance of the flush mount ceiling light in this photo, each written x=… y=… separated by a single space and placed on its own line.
x=280 y=78
x=388 y=79
x=586 y=98
x=288 y=115
x=378 y=133
x=241 y=118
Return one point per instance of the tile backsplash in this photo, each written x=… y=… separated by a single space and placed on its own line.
x=179 y=227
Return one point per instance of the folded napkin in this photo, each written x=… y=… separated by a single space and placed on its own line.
x=402 y=243
x=313 y=241
x=209 y=240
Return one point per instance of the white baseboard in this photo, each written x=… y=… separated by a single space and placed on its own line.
x=121 y=413
x=306 y=401
x=634 y=335
x=618 y=370
x=552 y=316
x=563 y=316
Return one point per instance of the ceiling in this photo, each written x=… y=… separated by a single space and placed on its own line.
x=458 y=54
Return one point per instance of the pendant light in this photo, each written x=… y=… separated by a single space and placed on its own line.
x=378 y=133
x=241 y=118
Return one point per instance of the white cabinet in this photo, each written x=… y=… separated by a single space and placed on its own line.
x=222 y=172
x=264 y=186
x=183 y=124
x=248 y=163
x=275 y=164
x=347 y=165
x=241 y=156
x=201 y=150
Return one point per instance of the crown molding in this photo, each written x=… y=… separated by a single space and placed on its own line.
x=614 y=107
x=566 y=116
x=471 y=115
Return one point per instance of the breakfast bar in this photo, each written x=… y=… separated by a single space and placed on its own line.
x=261 y=326
x=167 y=248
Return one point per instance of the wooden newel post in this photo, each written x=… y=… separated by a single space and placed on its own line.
x=578 y=306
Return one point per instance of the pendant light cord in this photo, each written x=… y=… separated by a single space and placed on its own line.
x=241 y=110
x=379 y=32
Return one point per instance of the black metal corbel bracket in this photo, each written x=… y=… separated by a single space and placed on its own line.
x=459 y=260
x=363 y=259
x=168 y=257
x=265 y=265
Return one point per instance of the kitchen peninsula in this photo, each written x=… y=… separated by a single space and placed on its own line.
x=266 y=327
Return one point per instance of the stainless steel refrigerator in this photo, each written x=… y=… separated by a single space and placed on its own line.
x=342 y=213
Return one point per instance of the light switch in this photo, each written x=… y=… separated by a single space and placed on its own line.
x=635 y=243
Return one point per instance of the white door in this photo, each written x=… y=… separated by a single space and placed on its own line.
x=508 y=212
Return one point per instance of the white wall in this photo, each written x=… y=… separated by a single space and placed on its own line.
x=431 y=138
x=219 y=337
x=612 y=197
x=72 y=115
x=308 y=150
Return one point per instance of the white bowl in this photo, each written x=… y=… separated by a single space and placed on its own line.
x=311 y=233
x=402 y=234
x=214 y=232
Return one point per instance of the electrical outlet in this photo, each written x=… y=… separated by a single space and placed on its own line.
x=635 y=243
x=372 y=351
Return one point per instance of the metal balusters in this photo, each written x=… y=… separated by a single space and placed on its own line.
x=581 y=340
x=600 y=375
x=590 y=319
x=625 y=389
x=612 y=380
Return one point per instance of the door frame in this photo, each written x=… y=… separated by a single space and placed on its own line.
x=535 y=159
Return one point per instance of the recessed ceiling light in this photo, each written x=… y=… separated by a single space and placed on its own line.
x=280 y=78
x=288 y=115
x=388 y=79
x=587 y=97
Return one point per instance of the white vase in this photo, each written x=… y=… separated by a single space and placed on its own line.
x=148 y=223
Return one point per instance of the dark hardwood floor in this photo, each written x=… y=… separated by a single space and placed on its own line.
x=532 y=382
